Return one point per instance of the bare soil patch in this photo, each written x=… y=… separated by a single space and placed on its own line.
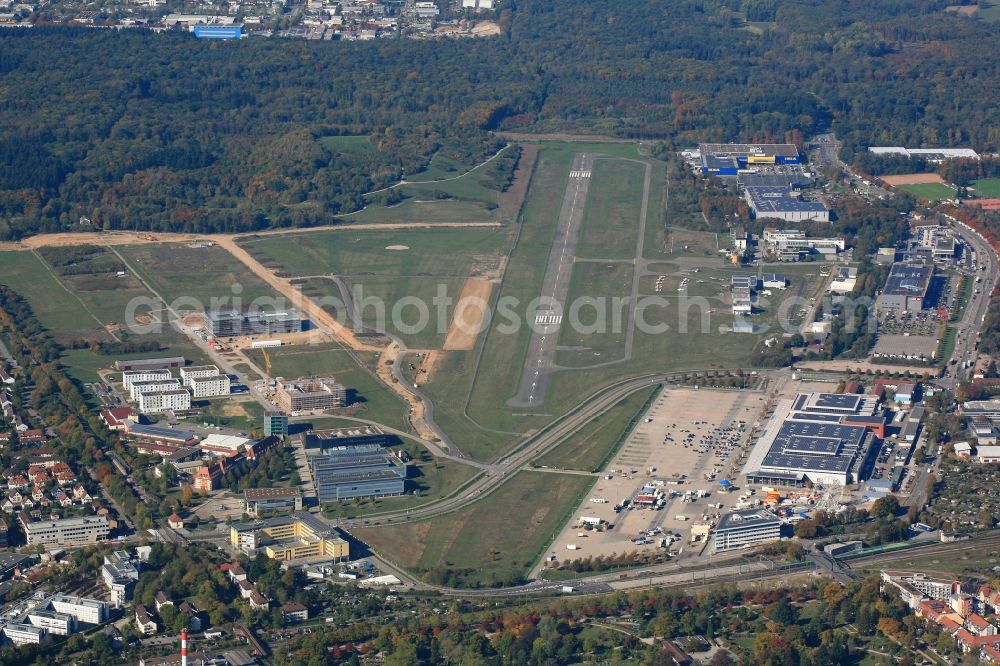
x=468 y=318
x=912 y=179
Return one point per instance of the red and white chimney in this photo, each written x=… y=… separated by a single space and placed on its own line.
x=184 y=647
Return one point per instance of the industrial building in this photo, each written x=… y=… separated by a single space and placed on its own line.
x=309 y=393
x=905 y=289
x=210 y=387
x=743 y=287
x=120 y=574
x=742 y=529
x=845 y=280
x=151 y=363
x=275 y=424
x=363 y=470
x=165 y=401
x=726 y=159
x=792 y=244
x=823 y=438
x=933 y=155
x=335 y=438
x=300 y=536
x=218 y=31
x=225 y=324
x=775 y=281
x=784 y=203
x=161 y=434
x=65 y=531
x=224 y=445
x=264 y=502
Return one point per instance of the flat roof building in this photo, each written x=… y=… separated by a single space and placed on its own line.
x=335 y=438
x=310 y=393
x=210 y=387
x=150 y=363
x=929 y=154
x=130 y=377
x=293 y=538
x=264 y=502
x=783 y=203
x=165 y=401
x=190 y=372
x=138 y=388
x=120 y=574
x=88 y=611
x=742 y=529
x=224 y=445
x=825 y=438
x=66 y=531
x=230 y=323
x=356 y=471
x=161 y=434
x=906 y=288
x=726 y=159
x=275 y=424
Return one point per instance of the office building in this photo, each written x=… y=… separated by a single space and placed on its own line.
x=742 y=529
x=87 y=611
x=210 y=387
x=792 y=244
x=264 y=502
x=823 y=438
x=230 y=323
x=275 y=424
x=165 y=401
x=905 y=289
x=310 y=393
x=154 y=375
x=59 y=624
x=120 y=573
x=24 y=633
x=189 y=373
x=66 y=531
x=138 y=388
x=356 y=471
x=291 y=538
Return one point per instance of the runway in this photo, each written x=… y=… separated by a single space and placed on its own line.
x=547 y=319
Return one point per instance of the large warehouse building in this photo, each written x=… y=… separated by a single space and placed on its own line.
x=726 y=159
x=906 y=288
x=365 y=470
x=229 y=323
x=929 y=154
x=825 y=438
x=784 y=203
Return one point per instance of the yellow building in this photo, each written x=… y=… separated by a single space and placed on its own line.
x=290 y=538
x=760 y=158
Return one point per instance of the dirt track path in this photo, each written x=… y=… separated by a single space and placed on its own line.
x=143 y=237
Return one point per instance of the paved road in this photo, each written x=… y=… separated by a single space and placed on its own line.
x=539 y=361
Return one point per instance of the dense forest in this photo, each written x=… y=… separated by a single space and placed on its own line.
x=130 y=129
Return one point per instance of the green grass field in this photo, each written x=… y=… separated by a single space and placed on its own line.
x=929 y=191
x=84 y=306
x=990 y=12
x=208 y=275
x=480 y=545
x=614 y=203
x=368 y=398
x=599 y=338
x=349 y=145
x=431 y=253
x=988 y=188
x=591 y=446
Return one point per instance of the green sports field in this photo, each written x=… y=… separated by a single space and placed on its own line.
x=929 y=191
x=987 y=188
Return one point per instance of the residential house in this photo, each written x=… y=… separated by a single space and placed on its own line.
x=295 y=612
x=143 y=622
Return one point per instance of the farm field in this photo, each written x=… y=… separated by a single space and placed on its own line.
x=58 y=308
x=367 y=397
x=591 y=446
x=475 y=546
x=614 y=202
x=928 y=191
x=209 y=275
x=988 y=188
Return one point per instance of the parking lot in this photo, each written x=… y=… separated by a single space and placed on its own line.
x=665 y=475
